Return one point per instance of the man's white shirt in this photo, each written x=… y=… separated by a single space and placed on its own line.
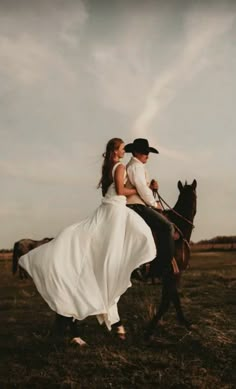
x=137 y=178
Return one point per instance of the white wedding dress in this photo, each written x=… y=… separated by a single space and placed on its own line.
x=87 y=267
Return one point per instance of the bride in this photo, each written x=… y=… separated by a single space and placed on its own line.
x=87 y=267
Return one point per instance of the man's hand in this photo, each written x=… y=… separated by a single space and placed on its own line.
x=154 y=185
x=159 y=206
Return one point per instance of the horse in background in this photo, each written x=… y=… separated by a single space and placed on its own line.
x=22 y=247
x=182 y=216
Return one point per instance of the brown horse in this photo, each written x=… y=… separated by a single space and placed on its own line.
x=22 y=247
x=182 y=216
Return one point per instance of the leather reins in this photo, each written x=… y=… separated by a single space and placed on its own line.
x=161 y=200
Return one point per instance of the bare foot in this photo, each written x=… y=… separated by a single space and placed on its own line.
x=79 y=341
x=121 y=332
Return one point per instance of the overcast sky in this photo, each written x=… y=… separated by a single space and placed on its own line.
x=74 y=74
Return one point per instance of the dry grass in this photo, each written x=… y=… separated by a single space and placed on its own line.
x=175 y=358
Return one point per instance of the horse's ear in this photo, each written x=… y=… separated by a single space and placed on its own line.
x=180 y=185
x=194 y=184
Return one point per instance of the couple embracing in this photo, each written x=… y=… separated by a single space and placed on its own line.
x=87 y=267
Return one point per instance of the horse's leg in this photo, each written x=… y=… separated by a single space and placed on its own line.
x=169 y=294
x=21 y=273
x=163 y=308
x=177 y=304
x=60 y=325
x=74 y=328
x=25 y=274
x=76 y=333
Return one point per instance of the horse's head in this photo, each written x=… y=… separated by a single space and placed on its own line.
x=188 y=198
x=186 y=206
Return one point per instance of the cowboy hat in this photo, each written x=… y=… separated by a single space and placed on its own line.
x=141 y=146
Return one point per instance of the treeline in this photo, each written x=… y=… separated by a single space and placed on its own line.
x=219 y=243
x=214 y=241
x=219 y=239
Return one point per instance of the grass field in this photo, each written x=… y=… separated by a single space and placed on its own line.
x=175 y=358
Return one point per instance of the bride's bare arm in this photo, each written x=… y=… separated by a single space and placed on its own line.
x=119 y=182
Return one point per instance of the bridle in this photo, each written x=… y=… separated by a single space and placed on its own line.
x=161 y=200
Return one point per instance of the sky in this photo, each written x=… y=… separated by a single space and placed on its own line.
x=76 y=73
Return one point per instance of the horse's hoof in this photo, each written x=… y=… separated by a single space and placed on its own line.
x=186 y=324
x=148 y=335
x=148 y=339
x=138 y=276
x=192 y=327
x=79 y=341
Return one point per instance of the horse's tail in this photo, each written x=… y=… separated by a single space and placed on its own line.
x=15 y=258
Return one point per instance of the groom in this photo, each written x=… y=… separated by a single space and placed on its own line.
x=147 y=207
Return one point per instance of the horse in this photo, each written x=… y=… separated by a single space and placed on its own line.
x=182 y=216
x=22 y=247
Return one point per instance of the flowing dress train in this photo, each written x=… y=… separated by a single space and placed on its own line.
x=87 y=267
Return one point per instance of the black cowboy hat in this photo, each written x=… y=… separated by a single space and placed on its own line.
x=141 y=146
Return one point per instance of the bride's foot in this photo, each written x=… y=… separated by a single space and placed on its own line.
x=79 y=341
x=121 y=333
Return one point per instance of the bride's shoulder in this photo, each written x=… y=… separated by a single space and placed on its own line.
x=118 y=167
x=120 y=164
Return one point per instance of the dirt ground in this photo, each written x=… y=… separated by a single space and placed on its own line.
x=175 y=358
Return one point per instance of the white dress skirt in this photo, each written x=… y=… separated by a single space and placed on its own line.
x=87 y=267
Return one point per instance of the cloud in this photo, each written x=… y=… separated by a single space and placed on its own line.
x=44 y=172
x=120 y=63
x=28 y=61
x=125 y=70
x=173 y=154
x=202 y=28
x=33 y=42
x=51 y=166
x=68 y=82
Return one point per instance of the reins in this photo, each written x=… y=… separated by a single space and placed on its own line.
x=161 y=200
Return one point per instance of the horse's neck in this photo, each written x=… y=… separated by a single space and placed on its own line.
x=181 y=208
x=184 y=225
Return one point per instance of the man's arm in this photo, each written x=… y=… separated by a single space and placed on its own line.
x=154 y=186
x=138 y=180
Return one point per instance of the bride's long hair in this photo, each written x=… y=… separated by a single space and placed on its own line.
x=108 y=164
